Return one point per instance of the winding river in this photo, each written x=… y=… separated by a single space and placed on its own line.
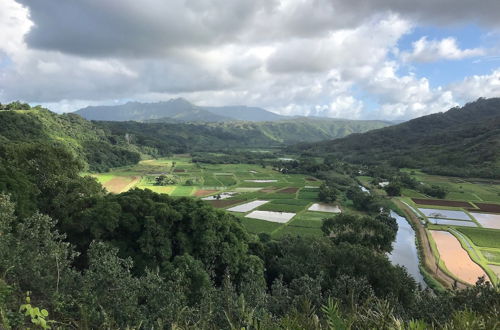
x=405 y=250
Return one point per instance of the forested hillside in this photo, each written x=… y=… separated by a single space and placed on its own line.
x=197 y=136
x=462 y=142
x=93 y=147
x=101 y=145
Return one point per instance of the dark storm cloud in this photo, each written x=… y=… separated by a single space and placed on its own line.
x=152 y=27
x=129 y=27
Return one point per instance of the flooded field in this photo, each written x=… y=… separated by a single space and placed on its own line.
x=321 y=207
x=438 y=213
x=455 y=258
x=445 y=222
x=404 y=251
x=223 y=195
x=280 y=217
x=488 y=220
x=243 y=208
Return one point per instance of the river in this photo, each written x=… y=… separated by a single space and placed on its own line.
x=404 y=251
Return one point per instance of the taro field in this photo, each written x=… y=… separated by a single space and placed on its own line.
x=265 y=200
x=464 y=235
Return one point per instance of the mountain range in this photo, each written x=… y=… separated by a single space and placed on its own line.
x=176 y=110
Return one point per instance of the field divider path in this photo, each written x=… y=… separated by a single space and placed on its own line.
x=428 y=259
x=291 y=220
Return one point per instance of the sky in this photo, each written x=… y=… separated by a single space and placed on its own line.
x=356 y=59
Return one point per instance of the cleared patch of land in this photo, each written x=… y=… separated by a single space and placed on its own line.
x=487 y=207
x=455 y=258
x=321 y=207
x=439 y=202
x=203 y=192
x=224 y=203
x=487 y=220
x=280 y=217
x=119 y=184
x=243 y=208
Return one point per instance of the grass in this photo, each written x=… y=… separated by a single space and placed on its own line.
x=459 y=188
x=482 y=237
x=259 y=226
x=281 y=208
x=161 y=189
x=183 y=191
x=226 y=180
x=297 y=231
x=491 y=255
x=307 y=195
x=298 y=202
x=313 y=217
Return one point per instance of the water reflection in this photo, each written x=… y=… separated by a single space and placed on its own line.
x=405 y=250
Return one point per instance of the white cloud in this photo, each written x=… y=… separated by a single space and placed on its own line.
x=295 y=57
x=434 y=50
x=477 y=86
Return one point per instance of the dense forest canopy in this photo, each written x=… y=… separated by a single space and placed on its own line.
x=461 y=142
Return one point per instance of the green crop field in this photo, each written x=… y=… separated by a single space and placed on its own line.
x=477 y=190
x=308 y=195
x=281 y=207
x=259 y=226
x=491 y=255
x=226 y=180
x=188 y=177
x=482 y=237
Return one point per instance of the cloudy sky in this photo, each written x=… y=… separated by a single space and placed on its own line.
x=392 y=59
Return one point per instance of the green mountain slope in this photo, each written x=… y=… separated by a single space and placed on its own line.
x=462 y=141
x=178 y=110
x=91 y=145
x=101 y=145
x=192 y=136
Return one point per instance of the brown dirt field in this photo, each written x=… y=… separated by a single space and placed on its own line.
x=224 y=203
x=201 y=193
x=311 y=179
x=179 y=170
x=440 y=202
x=455 y=258
x=290 y=190
x=428 y=259
x=268 y=190
x=487 y=207
x=118 y=184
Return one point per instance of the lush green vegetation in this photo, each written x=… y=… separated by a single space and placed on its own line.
x=138 y=259
x=460 y=142
x=482 y=237
x=92 y=146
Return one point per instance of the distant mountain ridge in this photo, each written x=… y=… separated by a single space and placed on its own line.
x=176 y=110
x=461 y=141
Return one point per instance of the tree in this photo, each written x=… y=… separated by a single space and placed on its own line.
x=374 y=232
x=327 y=193
x=393 y=189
